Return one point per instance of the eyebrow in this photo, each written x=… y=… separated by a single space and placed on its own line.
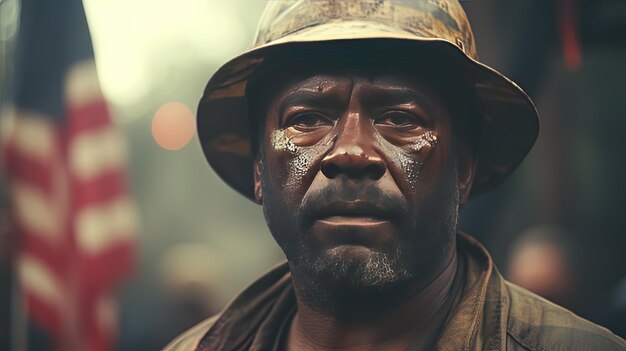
x=395 y=96
x=309 y=97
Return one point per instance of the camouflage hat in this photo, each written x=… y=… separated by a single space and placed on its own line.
x=509 y=123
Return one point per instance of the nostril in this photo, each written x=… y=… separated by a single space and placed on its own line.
x=330 y=170
x=375 y=171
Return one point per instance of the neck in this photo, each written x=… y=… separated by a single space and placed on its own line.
x=416 y=320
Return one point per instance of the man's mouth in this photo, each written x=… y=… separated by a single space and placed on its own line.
x=352 y=213
x=358 y=222
x=352 y=220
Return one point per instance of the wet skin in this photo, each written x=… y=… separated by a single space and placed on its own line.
x=361 y=180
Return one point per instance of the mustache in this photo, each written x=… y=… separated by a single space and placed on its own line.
x=367 y=196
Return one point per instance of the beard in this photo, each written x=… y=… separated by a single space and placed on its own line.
x=368 y=271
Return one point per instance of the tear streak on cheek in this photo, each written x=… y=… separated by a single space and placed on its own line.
x=411 y=157
x=281 y=142
x=426 y=140
x=299 y=160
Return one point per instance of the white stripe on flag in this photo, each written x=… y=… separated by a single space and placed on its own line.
x=32 y=135
x=103 y=225
x=37 y=279
x=36 y=213
x=81 y=84
x=93 y=152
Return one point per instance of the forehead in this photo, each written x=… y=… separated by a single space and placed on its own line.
x=376 y=78
x=322 y=81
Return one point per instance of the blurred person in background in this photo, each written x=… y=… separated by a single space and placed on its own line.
x=190 y=275
x=543 y=260
x=361 y=160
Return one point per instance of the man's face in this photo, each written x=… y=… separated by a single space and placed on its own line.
x=358 y=176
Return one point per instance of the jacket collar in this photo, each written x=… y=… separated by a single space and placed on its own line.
x=478 y=322
x=481 y=314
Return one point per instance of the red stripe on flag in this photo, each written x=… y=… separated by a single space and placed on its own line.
x=100 y=189
x=53 y=256
x=89 y=116
x=107 y=267
x=30 y=170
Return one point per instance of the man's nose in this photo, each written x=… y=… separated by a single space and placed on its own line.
x=353 y=154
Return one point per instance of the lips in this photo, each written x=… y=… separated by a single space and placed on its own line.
x=354 y=223
x=344 y=202
x=351 y=211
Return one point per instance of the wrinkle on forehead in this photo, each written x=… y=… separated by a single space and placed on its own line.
x=321 y=91
x=319 y=75
x=317 y=83
x=395 y=88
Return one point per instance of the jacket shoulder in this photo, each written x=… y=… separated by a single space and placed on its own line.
x=189 y=340
x=535 y=323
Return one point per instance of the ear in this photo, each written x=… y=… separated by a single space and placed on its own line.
x=466 y=166
x=258 y=171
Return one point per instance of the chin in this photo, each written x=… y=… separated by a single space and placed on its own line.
x=349 y=267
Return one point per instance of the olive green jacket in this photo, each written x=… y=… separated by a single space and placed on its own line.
x=493 y=314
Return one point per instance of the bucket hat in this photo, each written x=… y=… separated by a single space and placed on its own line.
x=509 y=122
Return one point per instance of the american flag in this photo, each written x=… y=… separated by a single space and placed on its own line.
x=64 y=160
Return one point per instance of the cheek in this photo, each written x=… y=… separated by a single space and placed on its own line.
x=296 y=165
x=407 y=160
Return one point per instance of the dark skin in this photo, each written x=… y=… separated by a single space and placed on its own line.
x=361 y=179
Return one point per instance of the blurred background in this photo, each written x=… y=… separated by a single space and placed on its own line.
x=146 y=240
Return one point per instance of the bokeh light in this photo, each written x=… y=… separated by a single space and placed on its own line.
x=173 y=126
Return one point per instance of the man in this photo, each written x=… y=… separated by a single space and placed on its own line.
x=362 y=127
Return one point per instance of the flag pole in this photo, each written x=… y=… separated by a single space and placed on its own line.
x=19 y=331
x=18 y=323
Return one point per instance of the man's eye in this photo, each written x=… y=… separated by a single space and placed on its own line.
x=305 y=121
x=398 y=119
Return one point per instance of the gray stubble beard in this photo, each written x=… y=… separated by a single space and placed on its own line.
x=336 y=283
x=376 y=271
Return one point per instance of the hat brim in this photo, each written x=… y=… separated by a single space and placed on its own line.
x=510 y=123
